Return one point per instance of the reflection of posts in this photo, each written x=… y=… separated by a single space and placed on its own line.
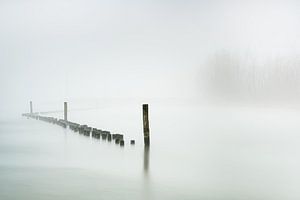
x=146 y=159
x=146 y=125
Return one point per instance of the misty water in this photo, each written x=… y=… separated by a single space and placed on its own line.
x=221 y=78
x=196 y=152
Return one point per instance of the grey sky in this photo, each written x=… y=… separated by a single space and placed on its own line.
x=57 y=50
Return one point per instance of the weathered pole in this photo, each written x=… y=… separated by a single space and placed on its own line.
x=65 y=111
x=31 y=109
x=146 y=125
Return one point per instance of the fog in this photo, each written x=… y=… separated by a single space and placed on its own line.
x=53 y=51
x=221 y=78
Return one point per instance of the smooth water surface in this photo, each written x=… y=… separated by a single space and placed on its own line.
x=195 y=153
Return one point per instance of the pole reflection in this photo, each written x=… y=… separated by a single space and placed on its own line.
x=146 y=159
x=147 y=194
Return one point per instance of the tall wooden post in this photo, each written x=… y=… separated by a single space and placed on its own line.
x=65 y=111
x=146 y=125
x=31 y=109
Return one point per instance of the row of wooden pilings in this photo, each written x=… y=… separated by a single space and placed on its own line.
x=94 y=132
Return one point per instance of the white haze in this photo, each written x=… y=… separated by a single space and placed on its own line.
x=86 y=50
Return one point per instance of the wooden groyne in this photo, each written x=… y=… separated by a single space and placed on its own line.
x=82 y=129
x=90 y=131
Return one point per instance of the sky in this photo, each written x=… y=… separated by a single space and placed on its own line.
x=60 y=50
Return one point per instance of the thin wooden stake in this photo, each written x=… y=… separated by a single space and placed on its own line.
x=65 y=111
x=31 y=109
x=146 y=125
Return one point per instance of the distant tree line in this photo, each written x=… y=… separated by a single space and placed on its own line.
x=233 y=77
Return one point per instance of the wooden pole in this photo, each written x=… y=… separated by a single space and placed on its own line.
x=146 y=125
x=31 y=109
x=65 y=111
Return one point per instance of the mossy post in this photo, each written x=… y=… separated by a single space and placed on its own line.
x=146 y=125
x=65 y=111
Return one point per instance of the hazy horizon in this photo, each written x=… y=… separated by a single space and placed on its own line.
x=90 y=50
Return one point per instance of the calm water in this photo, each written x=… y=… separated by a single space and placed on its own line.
x=196 y=153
